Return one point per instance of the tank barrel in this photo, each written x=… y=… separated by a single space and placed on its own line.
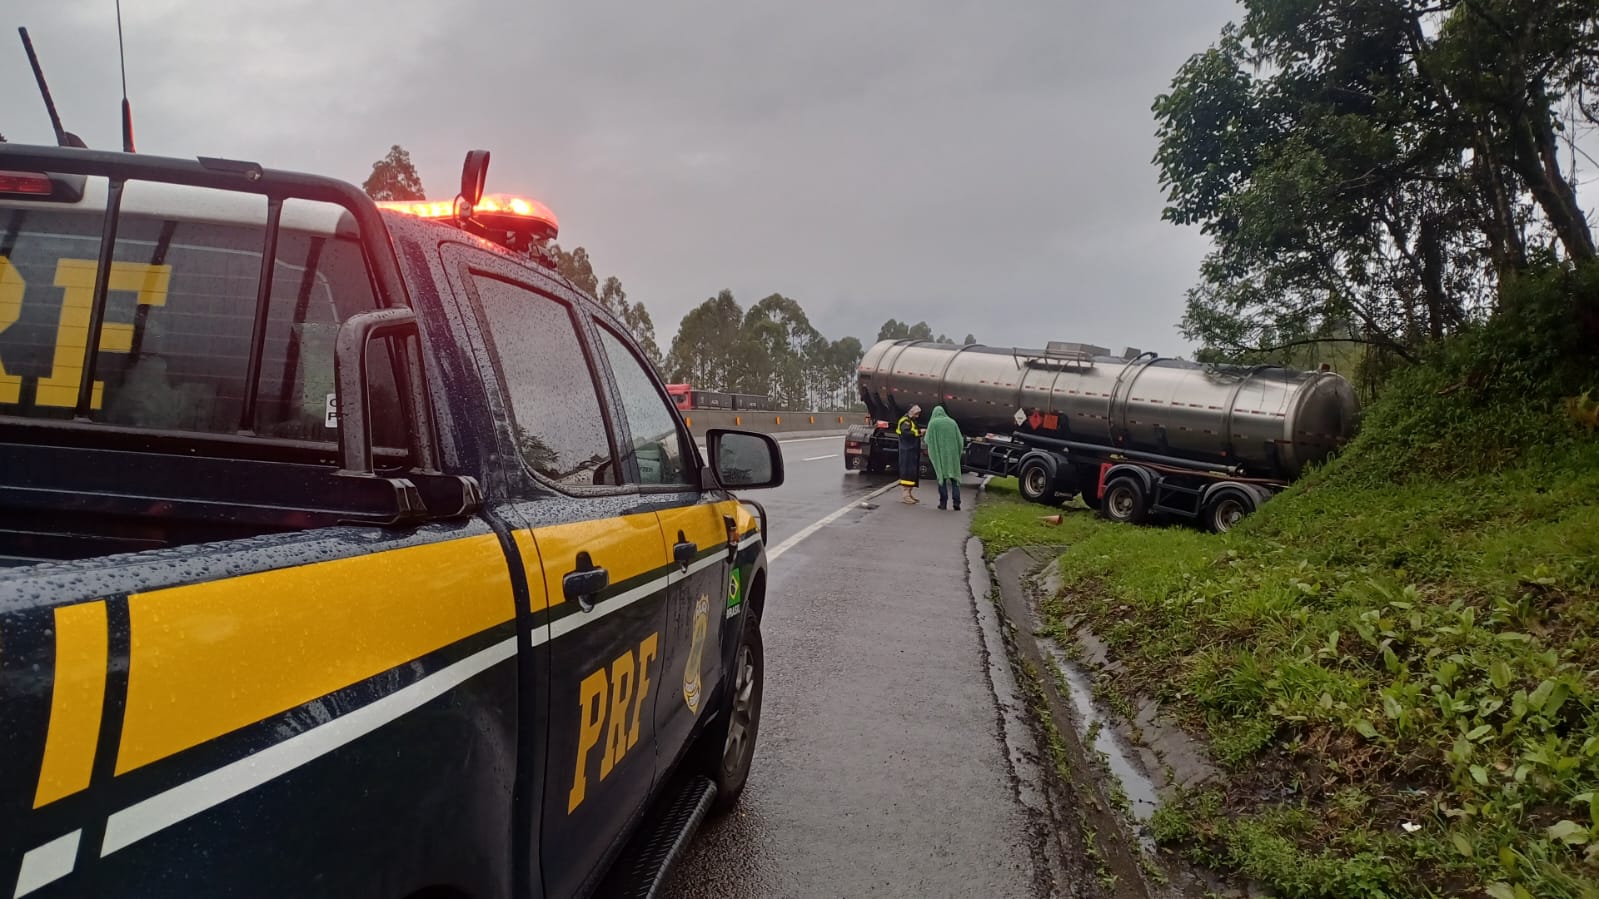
x=1264 y=421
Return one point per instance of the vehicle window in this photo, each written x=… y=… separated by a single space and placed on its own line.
x=176 y=339
x=555 y=409
x=657 y=445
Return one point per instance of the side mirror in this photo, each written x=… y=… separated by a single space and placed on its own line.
x=744 y=459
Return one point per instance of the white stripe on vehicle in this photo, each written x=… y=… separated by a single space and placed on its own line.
x=149 y=816
x=54 y=860
x=43 y=865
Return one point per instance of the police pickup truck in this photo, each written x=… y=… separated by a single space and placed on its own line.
x=347 y=551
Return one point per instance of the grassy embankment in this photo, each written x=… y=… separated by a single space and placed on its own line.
x=1395 y=661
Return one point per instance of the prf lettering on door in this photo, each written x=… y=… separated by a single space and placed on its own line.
x=75 y=277
x=611 y=706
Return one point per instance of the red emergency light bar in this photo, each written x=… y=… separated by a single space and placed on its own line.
x=494 y=216
x=516 y=223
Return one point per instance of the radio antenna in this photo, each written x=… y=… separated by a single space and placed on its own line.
x=127 y=109
x=64 y=138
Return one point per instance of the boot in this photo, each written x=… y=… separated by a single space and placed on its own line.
x=907 y=499
x=911 y=492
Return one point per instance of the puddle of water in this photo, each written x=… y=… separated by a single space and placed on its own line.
x=1118 y=753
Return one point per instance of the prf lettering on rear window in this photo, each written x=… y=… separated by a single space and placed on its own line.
x=75 y=277
x=605 y=704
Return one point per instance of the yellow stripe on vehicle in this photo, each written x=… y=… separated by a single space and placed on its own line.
x=701 y=524
x=207 y=659
x=77 y=698
x=626 y=546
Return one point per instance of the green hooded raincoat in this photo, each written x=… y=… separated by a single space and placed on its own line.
x=944 y=445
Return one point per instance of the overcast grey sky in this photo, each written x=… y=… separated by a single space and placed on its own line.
x=981 y=165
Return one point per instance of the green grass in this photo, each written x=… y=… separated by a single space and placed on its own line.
x=1407 y=636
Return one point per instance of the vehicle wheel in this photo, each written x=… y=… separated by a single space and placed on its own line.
x=1225 y=509
x=1036 y=482
x=741 y=722
x=1125 y=501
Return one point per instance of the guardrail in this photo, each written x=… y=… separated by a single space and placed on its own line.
x=772 y=422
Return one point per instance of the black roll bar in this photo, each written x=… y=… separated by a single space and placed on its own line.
x=395 y=316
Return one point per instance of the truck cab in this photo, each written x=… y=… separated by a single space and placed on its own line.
x=348 y=550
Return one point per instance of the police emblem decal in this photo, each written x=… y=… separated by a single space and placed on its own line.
x=696 y=651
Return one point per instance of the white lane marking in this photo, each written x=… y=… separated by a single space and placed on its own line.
x=790 y=543
x=820 y=458
x=163 y=810
x=48 y=863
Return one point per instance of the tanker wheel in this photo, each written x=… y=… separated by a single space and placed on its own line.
x=1226 y=509
x=1125 y=501
x=1036 y=482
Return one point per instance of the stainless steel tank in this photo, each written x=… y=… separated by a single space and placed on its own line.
x=1272 y=421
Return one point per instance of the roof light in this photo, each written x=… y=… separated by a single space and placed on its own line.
x=442 y=209
x=29 y=183
x=504 y=219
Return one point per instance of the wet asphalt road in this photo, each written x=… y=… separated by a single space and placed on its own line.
x=880 y=768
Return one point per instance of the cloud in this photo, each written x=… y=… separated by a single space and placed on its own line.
x=983 y=166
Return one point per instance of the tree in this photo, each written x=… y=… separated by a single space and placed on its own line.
x=704 y=352
x=785 y=352
x=1351 y=161
x=575 y=267
x=894 y=329
x=394 y=178
x=844 y=357
x=969 y=341
x=642 y=327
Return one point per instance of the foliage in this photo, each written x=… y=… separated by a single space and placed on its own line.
x=394 y=178
x=1396 y=659
x=771 y=350
x=1372 y=170
x=575 y=266
x=1005 y=522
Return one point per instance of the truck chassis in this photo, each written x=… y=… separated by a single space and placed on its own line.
x=1123 y=485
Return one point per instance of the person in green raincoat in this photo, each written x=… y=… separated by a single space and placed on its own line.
x=944 y=451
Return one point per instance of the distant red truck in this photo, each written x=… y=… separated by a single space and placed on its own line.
x=688 y=399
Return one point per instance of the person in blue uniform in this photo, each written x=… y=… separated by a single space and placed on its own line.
x=910 y=453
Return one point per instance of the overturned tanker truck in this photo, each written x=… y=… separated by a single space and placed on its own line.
x=1137 y=436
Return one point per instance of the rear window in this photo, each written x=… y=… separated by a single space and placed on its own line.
x=176 y=341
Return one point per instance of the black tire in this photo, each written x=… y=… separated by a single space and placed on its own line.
x=728 y=765
x=1125 y=501
x=1036 y=482
x=1225 y=508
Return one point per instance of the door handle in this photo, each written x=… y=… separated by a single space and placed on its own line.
x=581 y=585
x=683 y=552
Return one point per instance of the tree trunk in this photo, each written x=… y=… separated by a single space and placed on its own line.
x=1430 y=245
x=1499 y=225
x=1535 y=158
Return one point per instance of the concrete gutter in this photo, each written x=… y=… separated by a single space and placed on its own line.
x=1109 y=773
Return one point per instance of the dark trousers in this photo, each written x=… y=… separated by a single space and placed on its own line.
x=949 y=488
x=910 y=462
